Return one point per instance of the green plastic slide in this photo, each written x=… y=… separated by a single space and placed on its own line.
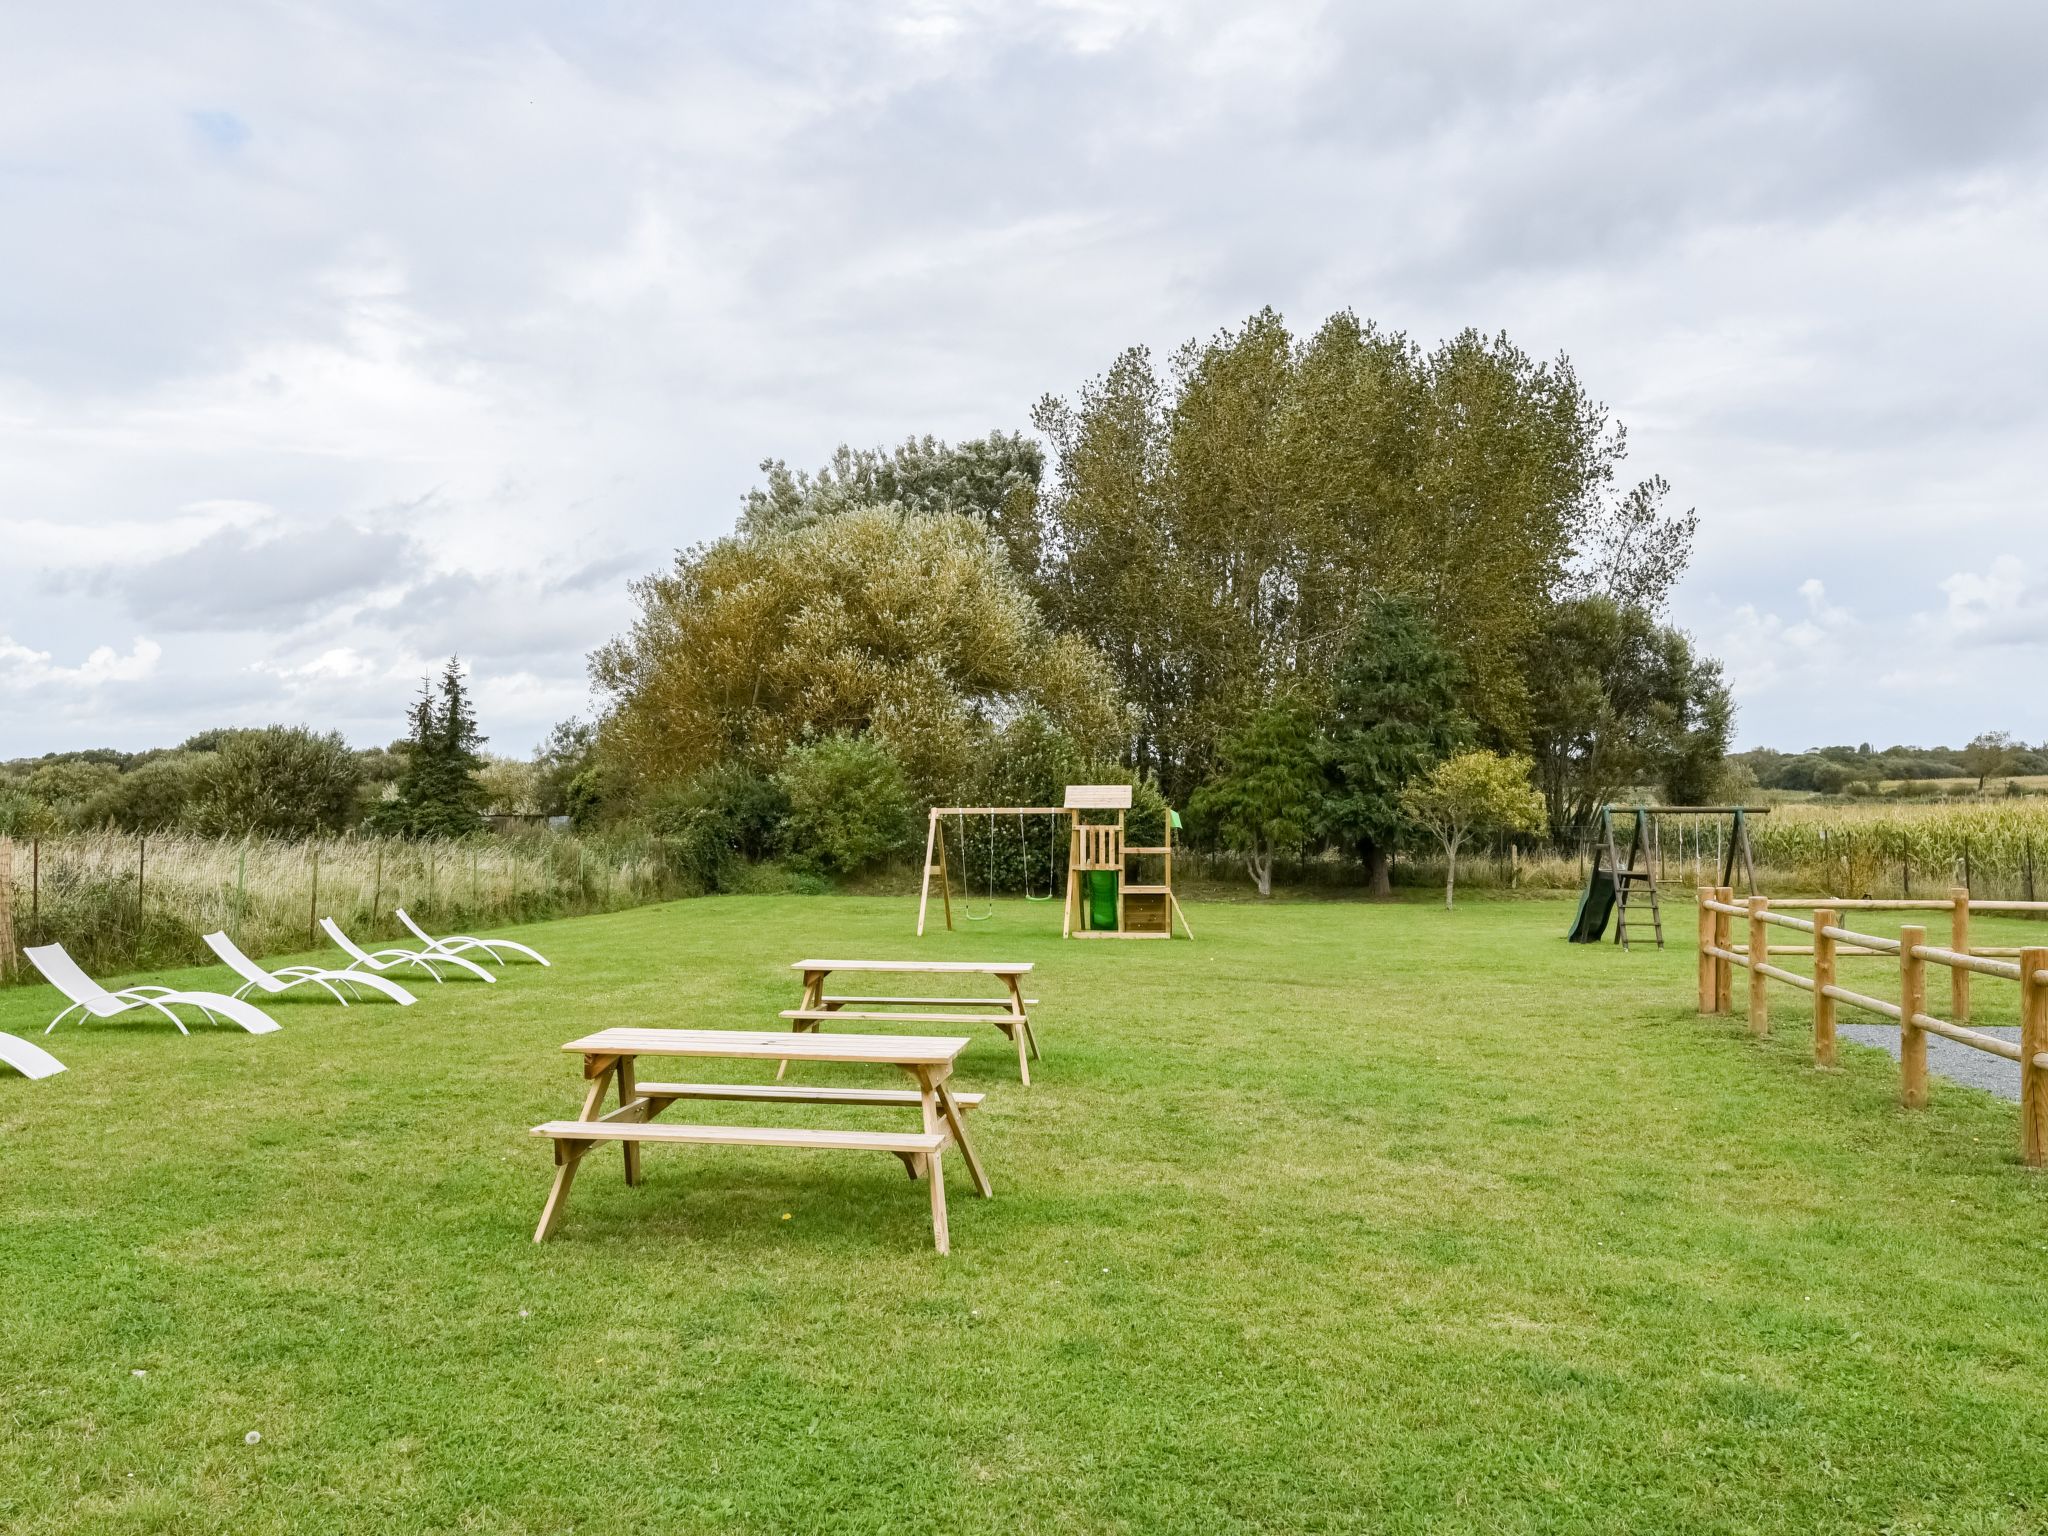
x=1101 y=898
x=1596 y=904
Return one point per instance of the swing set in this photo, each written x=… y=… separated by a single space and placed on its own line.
x=1104 y=901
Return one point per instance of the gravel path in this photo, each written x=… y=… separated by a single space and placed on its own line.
x=1957 y=1063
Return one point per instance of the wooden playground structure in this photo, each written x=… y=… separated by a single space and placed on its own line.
x=1616 y=885
x=1110 y=893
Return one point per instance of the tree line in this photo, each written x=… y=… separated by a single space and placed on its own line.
x=1332 y=593
x=1281 y=581
x=290 y=781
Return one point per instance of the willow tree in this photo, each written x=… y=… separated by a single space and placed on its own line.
x=911 y=625
x=1215 y=532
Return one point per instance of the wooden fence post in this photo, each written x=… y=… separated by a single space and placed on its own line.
x=313 y=901
x=1759 y=957
x=1959 y=941
x=1724 y=938
x=9 y=950
x=1912 y=1001
x=1708 y=964
x=2033 y=1042
x=1823 y=978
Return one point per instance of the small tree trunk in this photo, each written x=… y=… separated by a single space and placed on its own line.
x=1260 y=861
x=1378 y=871
x=1450 y=874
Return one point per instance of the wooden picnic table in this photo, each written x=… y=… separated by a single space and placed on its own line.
x=611 y=1057
x=1012 y=1015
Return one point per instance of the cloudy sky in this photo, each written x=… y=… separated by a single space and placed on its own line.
x=335 y=338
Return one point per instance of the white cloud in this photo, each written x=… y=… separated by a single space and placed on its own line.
x=490 y=301
x=24 y=670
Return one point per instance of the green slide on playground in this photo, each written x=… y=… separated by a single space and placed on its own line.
x=1101 y=898
x=1596 y=903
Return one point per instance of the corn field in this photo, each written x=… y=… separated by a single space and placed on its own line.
x=117 y=902
x=1850 y=850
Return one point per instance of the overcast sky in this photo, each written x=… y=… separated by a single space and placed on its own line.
x=334 y=339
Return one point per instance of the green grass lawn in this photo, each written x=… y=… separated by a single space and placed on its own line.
x=1344 y=1218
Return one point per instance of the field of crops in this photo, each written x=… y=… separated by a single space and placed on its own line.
x=1888 y=850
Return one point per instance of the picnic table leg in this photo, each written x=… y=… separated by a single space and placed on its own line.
x=957 y=1123
x=567 y=1157
x=814 y=994
x=1017 y=1007
x=627 y=1093
x=928 y=1101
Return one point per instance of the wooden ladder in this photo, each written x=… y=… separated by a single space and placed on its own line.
x=1627 y=878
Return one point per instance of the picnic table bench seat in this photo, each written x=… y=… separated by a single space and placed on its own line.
x=569 y=1133
x=844 y=1001
x=1010 y=1012
x=1003 y=1020
x=792 y=1093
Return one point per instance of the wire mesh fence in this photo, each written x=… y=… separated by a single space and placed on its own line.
x=115 y=900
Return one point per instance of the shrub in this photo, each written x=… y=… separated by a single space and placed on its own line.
x=281 y=781
x=849 y=803
x=718 y=822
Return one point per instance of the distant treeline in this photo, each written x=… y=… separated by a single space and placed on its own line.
x=1844 y=769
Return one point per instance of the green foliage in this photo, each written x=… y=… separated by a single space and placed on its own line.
x=557 y=761
x=74 y=789
x=281 y=781
x=155 y=795
x=1268 y=792
x=438 y=791
x=908 y=624
x=1992 y=755
x=508 y=786
x=850 y=804
x=1214 y=533
x=992 y=480
x=718 y=821
x=1617 y=699
x=1472 y=792
x=1395 y=715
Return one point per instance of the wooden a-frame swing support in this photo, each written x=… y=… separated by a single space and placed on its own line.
x=1092 y=847
x=1629 y=885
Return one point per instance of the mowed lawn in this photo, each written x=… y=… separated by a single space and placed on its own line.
x=1343 y=1218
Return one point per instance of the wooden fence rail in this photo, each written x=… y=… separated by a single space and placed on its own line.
x=1719 y=956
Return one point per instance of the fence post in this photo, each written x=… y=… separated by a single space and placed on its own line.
x=1708 y=964
x=1912 y=1002
x=1959 y=941
x=8 y=963
x=1724 y=938
x=1823 y=978
x=35 y=884
x=1759 y=957
x=2033 y=1042
x=141 y=872
x=313 y=901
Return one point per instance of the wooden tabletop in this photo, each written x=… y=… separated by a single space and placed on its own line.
x=774 y=1045
x=922 y=967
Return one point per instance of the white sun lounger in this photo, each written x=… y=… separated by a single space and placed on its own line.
x=392 y=959
x=254 y=977
x=88 y=996
x=28 y=1058
x=456 y=943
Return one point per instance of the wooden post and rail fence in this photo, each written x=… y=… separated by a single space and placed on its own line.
x=1831 y=943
